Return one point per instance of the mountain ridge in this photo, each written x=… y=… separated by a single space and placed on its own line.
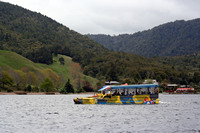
x=29 y=33
x=169 y=39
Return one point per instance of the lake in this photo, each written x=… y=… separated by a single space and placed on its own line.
x=59 y=114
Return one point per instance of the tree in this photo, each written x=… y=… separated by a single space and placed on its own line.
x=28 y=88
x=54 y=77
x=112 y=72
x=68 y=88
x=1 y=77
x=76 y=74
x=6 y=79
x=196 y=77
x=75 y=70
x=87 y=86
x=62 y=61
x=40 y=77
x=41 y=55
x=20 y=78
x=31 y=78
x=47 y=85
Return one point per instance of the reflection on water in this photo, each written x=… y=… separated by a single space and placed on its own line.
x=58 y=113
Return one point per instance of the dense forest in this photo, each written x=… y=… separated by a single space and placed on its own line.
x=38 y=38
x=170 y=39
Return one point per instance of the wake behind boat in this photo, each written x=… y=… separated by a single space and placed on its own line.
x=123 y=94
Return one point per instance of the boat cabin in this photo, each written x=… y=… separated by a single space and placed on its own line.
x=130 y=89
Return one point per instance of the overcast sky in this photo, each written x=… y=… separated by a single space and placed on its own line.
x=113 y=16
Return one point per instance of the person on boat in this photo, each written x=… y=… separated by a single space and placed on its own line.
x=156 y=90
x=132 y=93
x=115 y=93
x=139 y=91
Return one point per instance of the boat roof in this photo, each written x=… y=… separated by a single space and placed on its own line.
x=112 y=87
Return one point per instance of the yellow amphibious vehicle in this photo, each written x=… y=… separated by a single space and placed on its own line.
x=123 y=94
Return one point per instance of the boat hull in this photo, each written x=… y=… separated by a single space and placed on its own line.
x=109 y=99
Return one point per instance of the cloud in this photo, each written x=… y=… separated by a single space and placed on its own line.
x=113 y=16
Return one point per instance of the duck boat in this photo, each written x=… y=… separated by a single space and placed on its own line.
x=123 y=94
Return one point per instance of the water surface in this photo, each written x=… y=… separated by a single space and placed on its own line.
x=58 y=113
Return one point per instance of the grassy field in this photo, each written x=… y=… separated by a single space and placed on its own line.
x=57 y=67
x=13 y=61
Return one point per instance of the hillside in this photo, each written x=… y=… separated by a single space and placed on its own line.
x=16 y=65
x=11 y=60
x=170 y=39
x=36 y=36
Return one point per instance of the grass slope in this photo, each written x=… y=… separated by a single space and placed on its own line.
x=13 y=61
x=64 y=70
x=57 y=67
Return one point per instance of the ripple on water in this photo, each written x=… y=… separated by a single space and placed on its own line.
x=22 y=114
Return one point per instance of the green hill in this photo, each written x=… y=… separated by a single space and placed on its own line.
x=16 y=64
x=11 y=60
x=36 y=37
x=170 y=39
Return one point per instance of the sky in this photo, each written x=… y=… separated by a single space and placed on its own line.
x=113 y=16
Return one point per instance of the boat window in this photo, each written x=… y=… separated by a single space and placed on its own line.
x=133 y=91
x=115 y=92
x=106 y=92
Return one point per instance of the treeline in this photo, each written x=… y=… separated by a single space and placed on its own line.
x=46 y=81
x=170 y=39
x=129 y=68
x=21 y=80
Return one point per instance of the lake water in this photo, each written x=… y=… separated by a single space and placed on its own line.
x=58 y=114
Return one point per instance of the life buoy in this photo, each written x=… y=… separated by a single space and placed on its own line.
x=145 y=101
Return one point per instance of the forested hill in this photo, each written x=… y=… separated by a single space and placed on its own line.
x=170 y=39
x=36 y=36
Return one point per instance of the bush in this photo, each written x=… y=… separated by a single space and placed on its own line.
x=35 y=89
x=28 y=88
x=87 y=87
x=46 y=85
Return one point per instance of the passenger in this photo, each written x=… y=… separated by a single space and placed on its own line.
x=115 y=93
x=139 y=92
x=156 y=90
x=127 y=92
